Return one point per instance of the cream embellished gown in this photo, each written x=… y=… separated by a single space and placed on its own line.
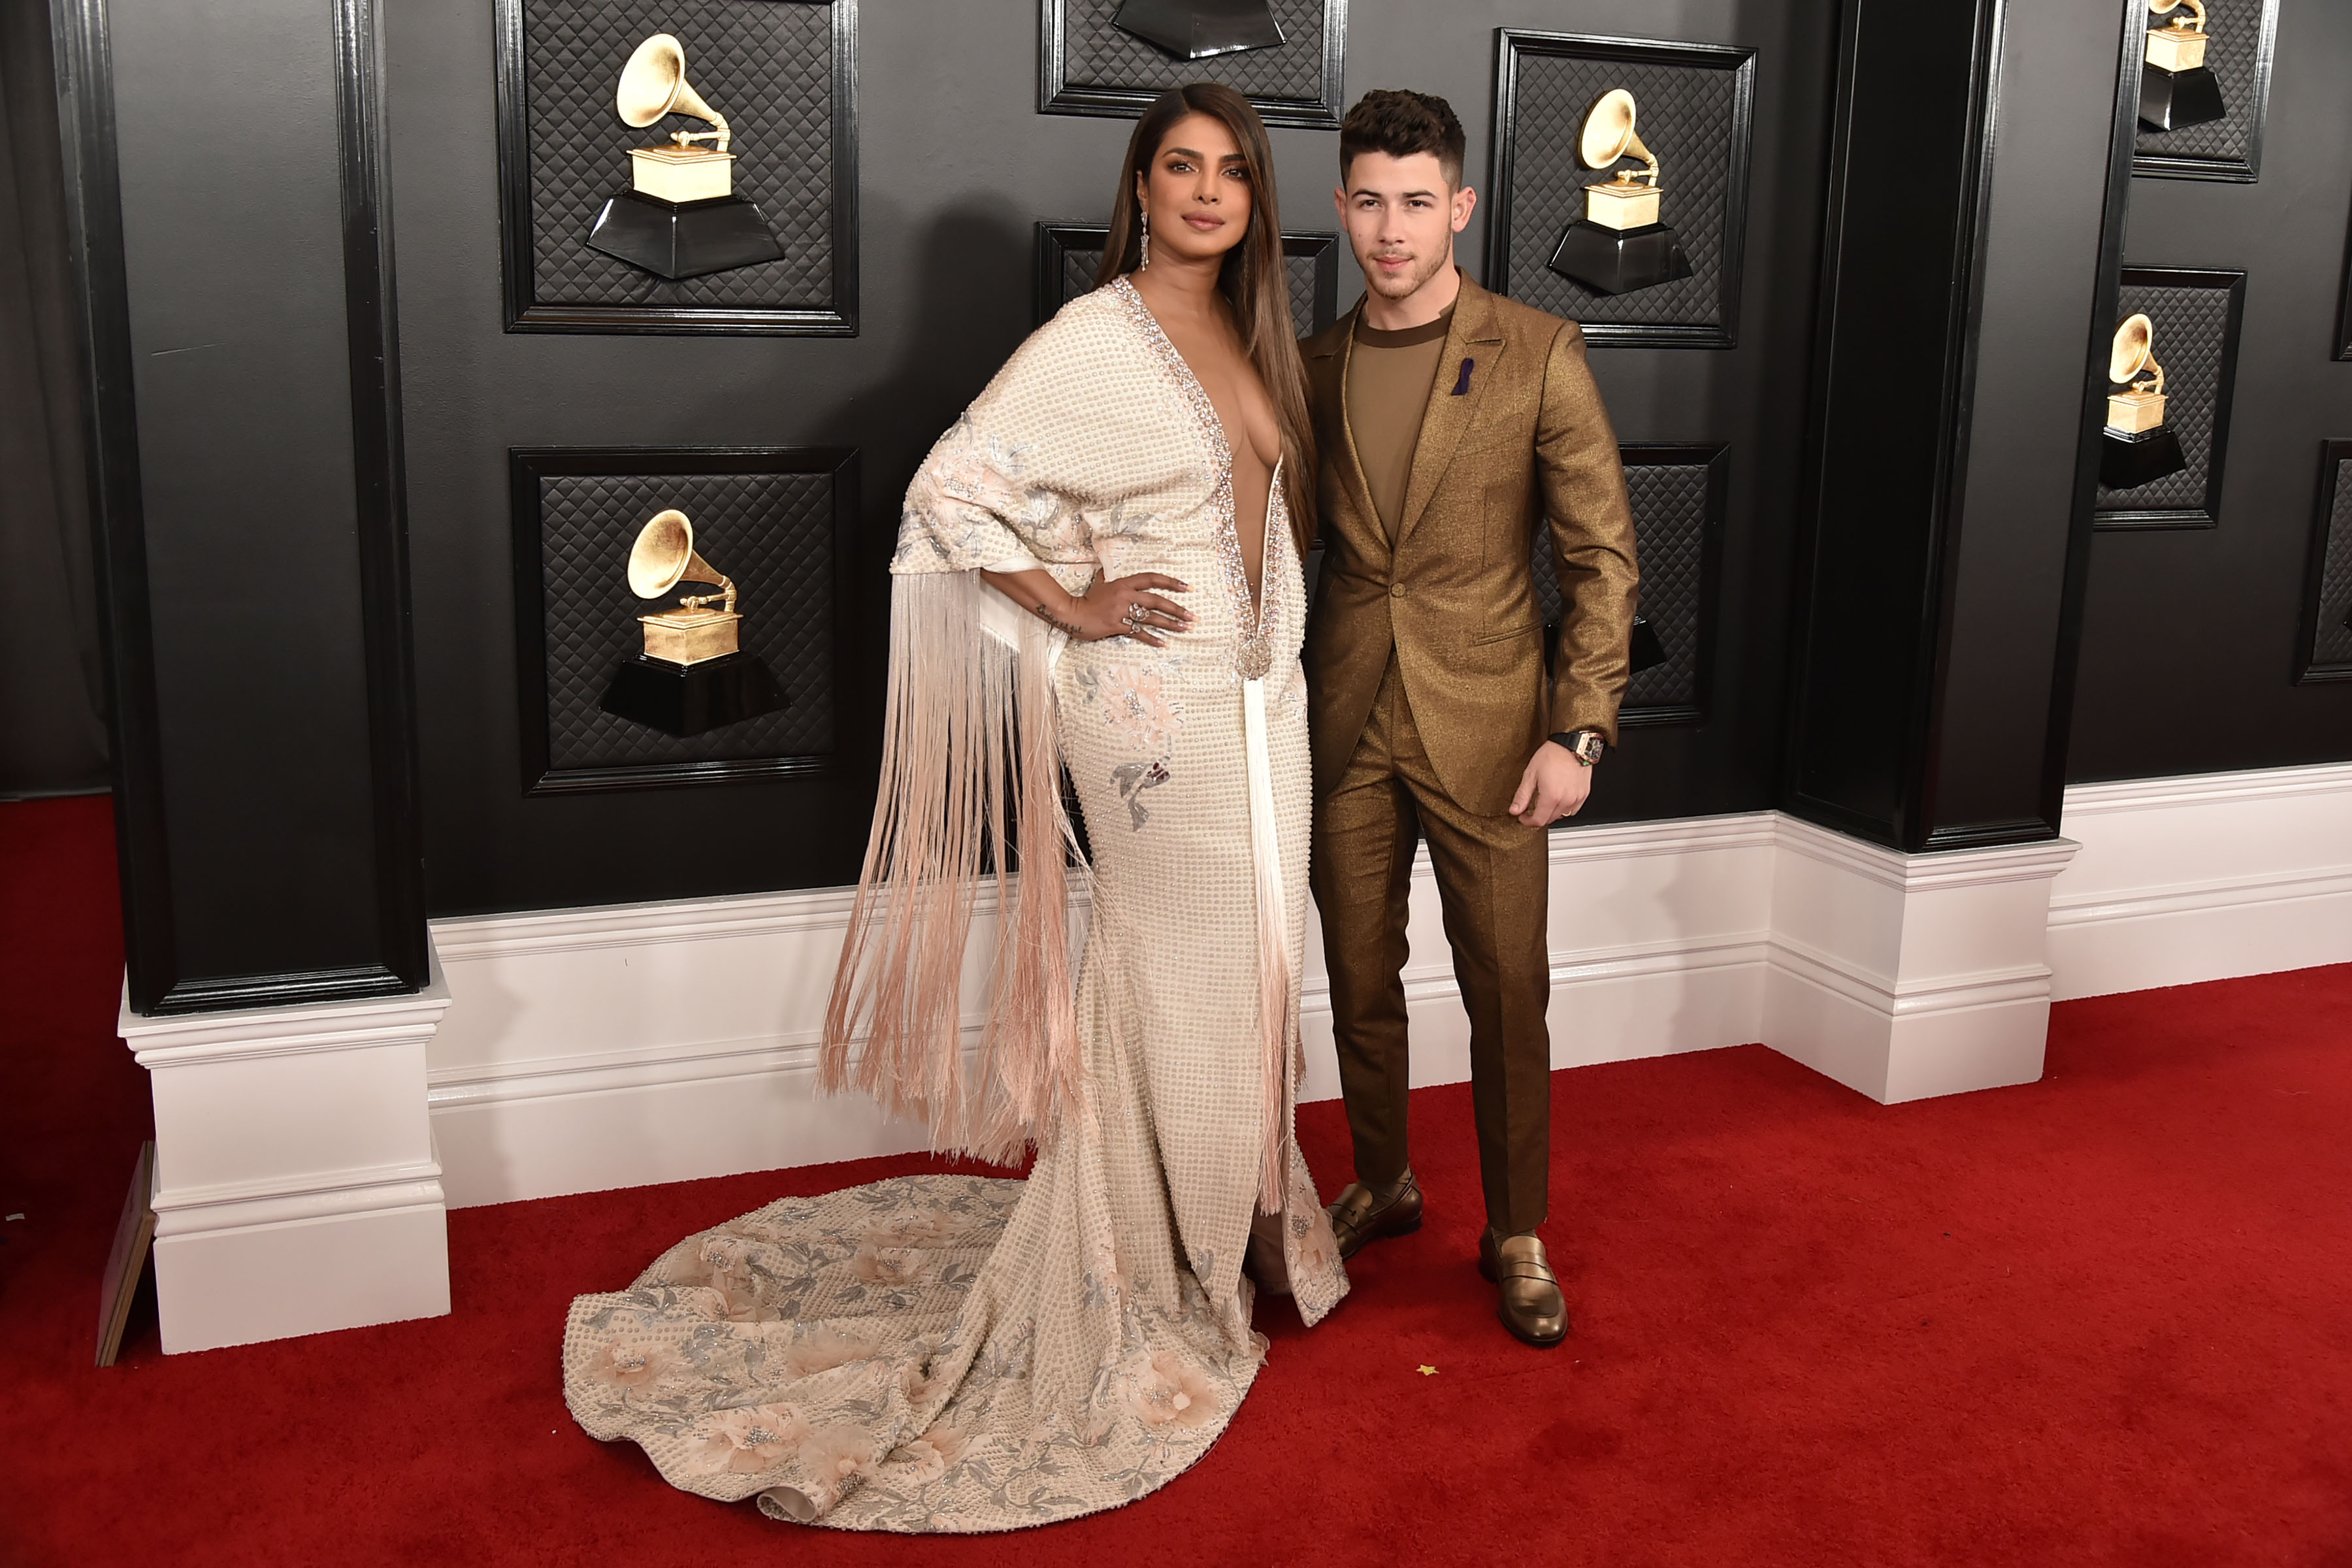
x=959 y=1352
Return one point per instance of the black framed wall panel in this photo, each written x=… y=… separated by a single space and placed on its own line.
x=1680 y=495
x=2218 y=622
x=1069 y=254
x=1694 y=104
x=2198 y=316
x=2245 y=41
x=784 y=74
x=2105 y=311
x=2325 y=646
x=1088 y=65
x=102 y=300
x=781 y=522
x=2014 y=566
x=264 y=712
x=1917 y=88
x=2344 y=309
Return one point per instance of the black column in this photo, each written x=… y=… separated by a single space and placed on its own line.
x=232 y=251
x=1947 y=523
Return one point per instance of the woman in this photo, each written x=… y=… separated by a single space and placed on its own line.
x=1099 y=565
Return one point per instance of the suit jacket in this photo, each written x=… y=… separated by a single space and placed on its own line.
x=1526 y=441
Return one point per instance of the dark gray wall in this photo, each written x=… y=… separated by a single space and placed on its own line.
x=956 y=165
x=2188 y=649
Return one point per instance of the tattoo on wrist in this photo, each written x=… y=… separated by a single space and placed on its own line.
x=1051 y=619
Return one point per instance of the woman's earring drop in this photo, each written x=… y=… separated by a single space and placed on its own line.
x=1143 y=253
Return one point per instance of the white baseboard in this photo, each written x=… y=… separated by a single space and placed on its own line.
x=592 y=1048
x=2203 y=878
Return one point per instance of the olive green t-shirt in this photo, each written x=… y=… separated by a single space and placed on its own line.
x=1388 y=379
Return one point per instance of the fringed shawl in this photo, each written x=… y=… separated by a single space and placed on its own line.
x=970 y=787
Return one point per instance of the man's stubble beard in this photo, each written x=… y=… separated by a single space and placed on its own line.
x=1405 y=287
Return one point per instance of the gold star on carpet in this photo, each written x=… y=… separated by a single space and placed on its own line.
x=1426 y=1371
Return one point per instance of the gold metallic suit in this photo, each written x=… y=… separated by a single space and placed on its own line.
x=1428 y=694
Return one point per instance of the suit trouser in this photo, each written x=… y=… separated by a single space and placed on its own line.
x=1493 y=877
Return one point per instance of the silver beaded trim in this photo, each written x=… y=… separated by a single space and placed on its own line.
x=1258 y=621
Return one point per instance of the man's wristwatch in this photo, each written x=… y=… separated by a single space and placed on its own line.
x=1584 y=745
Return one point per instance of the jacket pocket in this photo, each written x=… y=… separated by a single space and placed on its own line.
x=1531 y=629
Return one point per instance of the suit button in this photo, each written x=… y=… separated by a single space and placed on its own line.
x=1396 y=590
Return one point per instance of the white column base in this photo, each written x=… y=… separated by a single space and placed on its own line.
x=296 y=1187
x=1906 y=976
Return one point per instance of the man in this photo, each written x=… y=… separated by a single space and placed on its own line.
x=1450 y=421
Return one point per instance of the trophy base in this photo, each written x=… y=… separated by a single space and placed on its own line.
x=2127 y=462
x=1645 y=651
x=683 y=239
x=2168 y=101
x=1197 y=29
x=690 y=700
x=1618 y=261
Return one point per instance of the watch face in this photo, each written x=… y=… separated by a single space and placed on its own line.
x=1589 y=746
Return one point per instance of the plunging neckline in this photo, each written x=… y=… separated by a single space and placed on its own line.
x=1204 y=412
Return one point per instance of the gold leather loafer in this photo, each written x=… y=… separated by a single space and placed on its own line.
x=1359 y=1216
x=1528 y=1300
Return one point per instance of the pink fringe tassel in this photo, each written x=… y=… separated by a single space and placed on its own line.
x=970 y=733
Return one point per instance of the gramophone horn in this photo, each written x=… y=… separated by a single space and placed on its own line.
x=2194 y=21
x=653 y=84
x=665 y=556
x=1609 y=133
x=2134 y=352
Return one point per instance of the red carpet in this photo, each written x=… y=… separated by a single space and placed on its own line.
x=2104 y=1319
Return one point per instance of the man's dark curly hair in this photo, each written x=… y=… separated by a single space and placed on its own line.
x=1399 y=124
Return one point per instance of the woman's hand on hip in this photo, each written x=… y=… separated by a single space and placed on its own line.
x=1110 y=608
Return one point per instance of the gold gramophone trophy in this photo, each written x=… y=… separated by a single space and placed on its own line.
x=2137 y=446
x=2176 y=88
x=680 y=217
x=693 y=675
x=1619 y=244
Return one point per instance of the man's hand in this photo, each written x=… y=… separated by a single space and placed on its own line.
x=1554 y=786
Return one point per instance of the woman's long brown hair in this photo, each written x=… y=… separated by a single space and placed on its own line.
x=1254 y=280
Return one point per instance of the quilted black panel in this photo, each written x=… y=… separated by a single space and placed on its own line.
x=1670 y=530
x=774 y=533
x=1686 y=115
x=2235 y=57
x=767 y=65
x=1078 y=265
x=2192 y=342
x=2331 y=644
x=1097 y=58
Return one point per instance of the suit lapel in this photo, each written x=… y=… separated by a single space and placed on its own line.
x=1351 y=465
x=1475 y=336
x=1370 y=538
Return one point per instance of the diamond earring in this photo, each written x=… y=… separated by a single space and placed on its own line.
x=1143 y=252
